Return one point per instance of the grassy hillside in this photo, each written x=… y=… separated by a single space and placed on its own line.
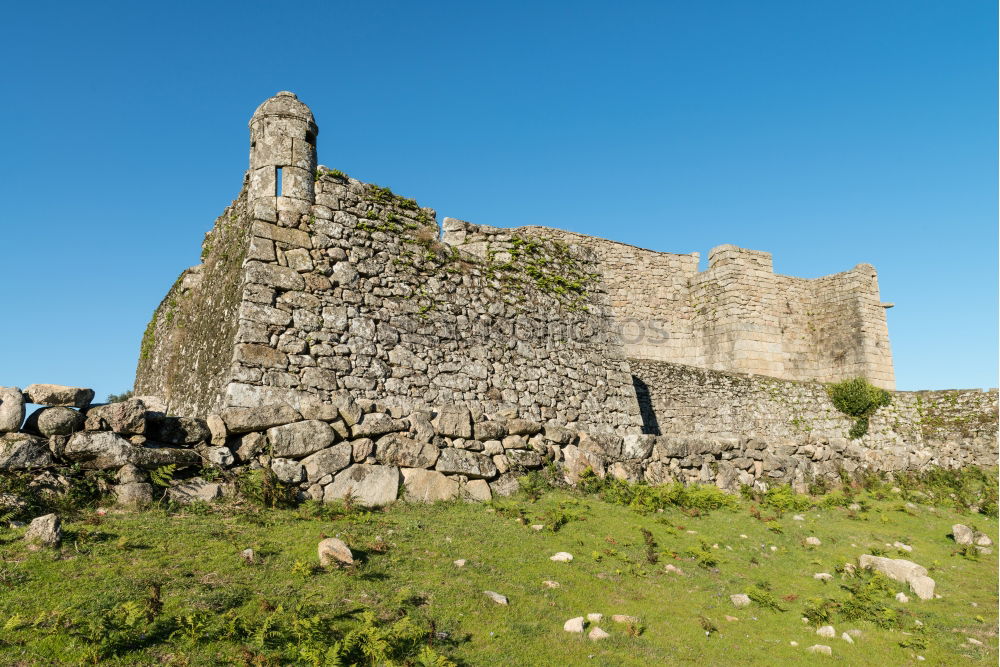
x=169 y=586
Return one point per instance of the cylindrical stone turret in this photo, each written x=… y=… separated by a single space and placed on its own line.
x=282 y=154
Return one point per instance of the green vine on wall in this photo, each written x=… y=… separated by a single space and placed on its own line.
x=860 y=399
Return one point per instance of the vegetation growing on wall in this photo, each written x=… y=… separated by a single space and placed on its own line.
x=860 y=399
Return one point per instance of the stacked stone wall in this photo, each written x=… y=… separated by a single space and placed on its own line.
x=945 y=428
x=356 y=293
x=738 y=315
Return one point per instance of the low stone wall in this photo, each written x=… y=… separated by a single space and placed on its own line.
x=947 y=428
x=712 y=428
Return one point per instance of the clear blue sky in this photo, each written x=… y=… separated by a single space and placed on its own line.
x=828 y=133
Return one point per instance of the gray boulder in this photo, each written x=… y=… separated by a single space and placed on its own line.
x=54 y=421
x=245 y=420
x=134 y=494
x=288 y=471
x=523 y=427
x=376 y=424
x=428 y=485
x=637 y=446
x=11 y=409
x=20 y=451
x=127 y=417
x=332 y=551
x=369 y=485
x=103 y=449
x=524 y=458
x=901 y=570
x=396 y=449
x=490 y=430
x=44 y=531
x=300 y=438
x=194 y=489
x=58 y=395
x=178 y=430
x=453 y=421
x=464 y=462
x=327 y=461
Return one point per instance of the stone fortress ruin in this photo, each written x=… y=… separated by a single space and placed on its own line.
x=336 y=336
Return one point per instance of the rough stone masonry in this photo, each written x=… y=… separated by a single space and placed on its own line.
x=334 y=334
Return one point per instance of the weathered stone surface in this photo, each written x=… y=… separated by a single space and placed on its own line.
x=462 y=462
x=490 y=430
x=962 y=534
x=217 y=427
x=327 y=461
x=477 y=490
x=333 y=551
x=362 y=449
x=428 y=485
x=453 y=421
x=496 y=597
x=523 y=427
x=597 y=634
x=574 y=625
x=103 y=449
x=250 y=445
x=54 y=421
x=504 y=485
x=57 y=395
x=245 y=420
x=901 y=570
x=369 y=485
x=523 y=458
x=288 y=471
x=11 y=409
x=20 y=451
x=300 y=438
x=637 y=446
x=178 y=430
x=220 y=456
x=134 y=494
x=44 y=532
x=396 y=449
x=740 y=600
x=377 y=424
x=127 y=417
x=194 y=489
x=130 y=474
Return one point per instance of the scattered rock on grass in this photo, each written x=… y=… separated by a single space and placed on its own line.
x=574 y=625
x=847 y=638
x=595 y=618
x=44 y=531
x=965 y=535
x=673 y=568
x=248 y=556
x=823 y=576
x=902 y=597
x=562 y=557
x=550 y=584
x=740 y=600
x=622 y=618
x=496 y=597
x=820 y=648
x=731 y=619
x=904 y=547
x=597 y=634
x=813 y=541
x=826 y=631
x=460 y=562
x=331 y=550
x=901 y=570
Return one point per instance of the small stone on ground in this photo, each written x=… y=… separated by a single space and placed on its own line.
x=496 y=597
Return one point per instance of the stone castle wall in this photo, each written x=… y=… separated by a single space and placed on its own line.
x=947 y=428
x=356 y=294
x=187 y=350
x=738 y=315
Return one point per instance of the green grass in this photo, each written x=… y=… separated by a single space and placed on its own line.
x=169 y=587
